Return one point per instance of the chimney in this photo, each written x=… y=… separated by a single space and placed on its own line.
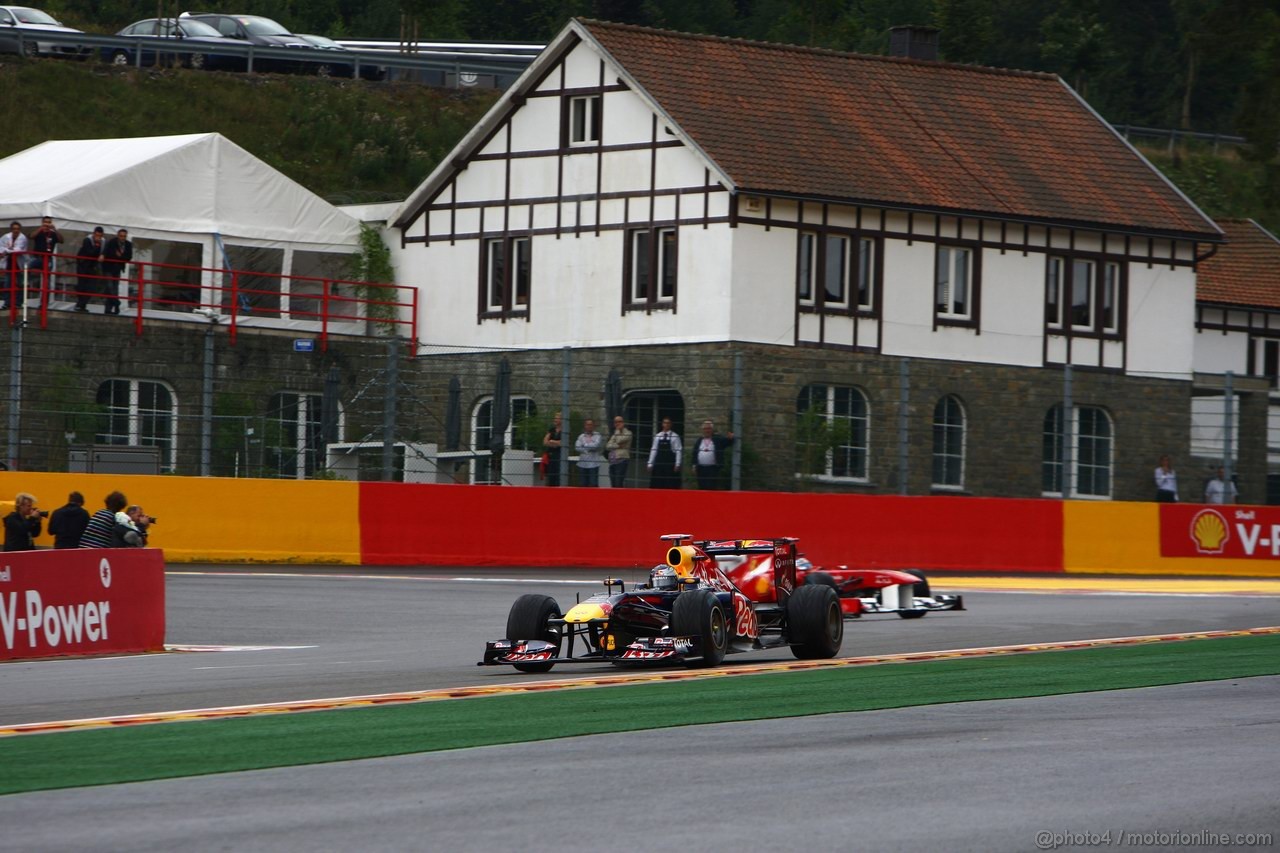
x=914 y=42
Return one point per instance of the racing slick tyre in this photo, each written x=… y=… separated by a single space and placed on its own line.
x=922 y=585
x=698 y=612
x=528 y=620
x=815 y=622
x=822 y=578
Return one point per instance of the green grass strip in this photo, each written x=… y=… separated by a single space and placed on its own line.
x=106 y=756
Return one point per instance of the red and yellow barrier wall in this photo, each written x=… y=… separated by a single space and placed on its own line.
x=289 y=521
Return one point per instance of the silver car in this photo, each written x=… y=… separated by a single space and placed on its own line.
x=22 y=25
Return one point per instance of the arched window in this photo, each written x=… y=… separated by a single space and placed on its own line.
x=139 y=412
x=831 y=432
x=522 y=409
x=1092 y=447
x=948 y=443
x=294 y=444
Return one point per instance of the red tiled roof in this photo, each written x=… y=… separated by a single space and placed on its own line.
x=1245 y=271
x=932 y=135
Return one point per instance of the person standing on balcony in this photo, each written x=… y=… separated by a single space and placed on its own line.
x=44 y=244
x=89 y=269
x=118 y=252
x=12 y=244
x=1166 y=481
x=1220 y=490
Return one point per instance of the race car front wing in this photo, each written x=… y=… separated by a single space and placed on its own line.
x=641 y=650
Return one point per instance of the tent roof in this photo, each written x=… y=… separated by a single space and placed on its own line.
x=201 y=183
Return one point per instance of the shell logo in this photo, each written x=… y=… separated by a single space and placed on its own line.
x=1209 y=531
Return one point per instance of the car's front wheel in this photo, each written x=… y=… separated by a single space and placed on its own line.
x=815 y=622
x=697 y=612
x=530 y=619
x=196 y=61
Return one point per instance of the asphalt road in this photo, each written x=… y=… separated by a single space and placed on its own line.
x=350 y=635
x=1054 y=772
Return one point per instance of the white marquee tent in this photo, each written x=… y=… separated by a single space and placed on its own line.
x=196 y=200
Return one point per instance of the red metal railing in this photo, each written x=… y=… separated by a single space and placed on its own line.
x=153 y=291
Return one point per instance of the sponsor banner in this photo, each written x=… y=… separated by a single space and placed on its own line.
x=81 y=602
x=1224 y=532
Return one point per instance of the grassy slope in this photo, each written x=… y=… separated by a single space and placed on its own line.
x=349 y=141
x=97 y=757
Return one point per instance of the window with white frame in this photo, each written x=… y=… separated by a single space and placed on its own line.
x=293 y=444
x=138 y=413
x=584 y=120
x=650 y=268
x=953 y=283
x=522 y=410
x=832 y=424
x=1092 y=452
x=948 y=443
x=507 y=274
x=830 y=274
x=1084 y=293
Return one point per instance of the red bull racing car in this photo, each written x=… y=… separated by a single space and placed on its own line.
x=748 y=565
x=691 y=611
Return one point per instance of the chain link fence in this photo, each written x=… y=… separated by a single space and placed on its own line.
x=87 y=394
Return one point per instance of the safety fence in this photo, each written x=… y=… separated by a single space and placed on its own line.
x=36 y=283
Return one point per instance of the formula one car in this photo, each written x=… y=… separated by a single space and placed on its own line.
x=689 y=612
x=748 y=564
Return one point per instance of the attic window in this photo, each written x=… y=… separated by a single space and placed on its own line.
x=584 y=120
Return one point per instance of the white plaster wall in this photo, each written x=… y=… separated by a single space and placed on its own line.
x=582 y=68
x=536 y=125
x=1218 y=353
x=763 y=305
x=1161 y=321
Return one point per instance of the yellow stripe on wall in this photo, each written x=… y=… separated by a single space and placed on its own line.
x=217 y=519
x=1124 y=538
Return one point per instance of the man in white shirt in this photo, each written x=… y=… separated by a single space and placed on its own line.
x=1220 y=490
x=12 y=244
x=709 y=456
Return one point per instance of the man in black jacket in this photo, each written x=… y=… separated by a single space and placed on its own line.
x=68 y=522
x=708 y=456
x=23 y=525
x=89 y=269
x=118 y=252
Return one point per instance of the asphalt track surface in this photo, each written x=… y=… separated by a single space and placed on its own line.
x=1044 y=773
x=335 y=634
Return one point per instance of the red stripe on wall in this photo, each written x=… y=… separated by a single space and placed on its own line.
x=447 y=525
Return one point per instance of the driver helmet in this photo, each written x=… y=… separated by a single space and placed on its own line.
x=663 y=577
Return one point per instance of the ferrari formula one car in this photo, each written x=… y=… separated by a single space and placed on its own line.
x=689 y=612
x=748 y=564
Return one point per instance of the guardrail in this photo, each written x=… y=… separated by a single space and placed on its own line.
x=177 y=292
x=463 y=66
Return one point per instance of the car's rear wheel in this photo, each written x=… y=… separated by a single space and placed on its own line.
x=119 y=58
x=815 y=622
x=30 y=49
x=324 y=70
x=698 y=612
x=196 y=61
x=530 y=619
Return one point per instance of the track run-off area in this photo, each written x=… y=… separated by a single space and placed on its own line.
x=1039 y=704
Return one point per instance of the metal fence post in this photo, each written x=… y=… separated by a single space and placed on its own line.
x=392 y=380
x=15 y=394
x=1228 y=430
x=735 y=425
x=206 y=407
x=1068 y=432
x=567 y=425
x=904 y=438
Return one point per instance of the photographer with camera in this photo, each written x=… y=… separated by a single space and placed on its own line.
x=131 y=527
x=68 y=522
x=23 y=525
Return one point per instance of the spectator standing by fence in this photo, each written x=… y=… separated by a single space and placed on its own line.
x=708 y=456
x=12 y=245
x=619 y=450
x=664 y=458
x=44 y=245
x=1166 y=481
x=117 y=253
x=589 y=446
x=89 y=269
x=68 y=522
x=551 y=445
x=1220 y=490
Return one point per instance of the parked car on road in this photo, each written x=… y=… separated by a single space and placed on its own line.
x=340 y=66
x=29 y=24
x=150 y=33
x=255 y=30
